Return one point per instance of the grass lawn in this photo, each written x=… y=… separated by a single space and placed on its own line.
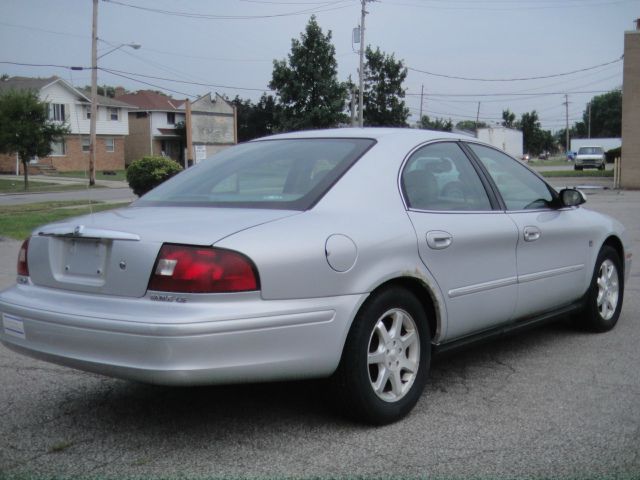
x=552 y=162
x=119 y=175
x=578 y=173
x=17 y=221
x=17 y=186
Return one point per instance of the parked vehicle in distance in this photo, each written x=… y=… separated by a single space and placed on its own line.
x=571 y=156
x=544 y=156
x=590 y=157
x=354 y=254
x=525 y=157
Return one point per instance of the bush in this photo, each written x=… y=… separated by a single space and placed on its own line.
x=149 y=172
x=612 y=154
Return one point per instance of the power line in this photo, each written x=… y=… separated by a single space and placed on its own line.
x=205 y=16
x=149 y=84
x=540 y=77
x=200 y=84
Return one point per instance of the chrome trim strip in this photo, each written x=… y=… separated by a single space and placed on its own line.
x=481 y=287
x=532 y=277
x=82 y=231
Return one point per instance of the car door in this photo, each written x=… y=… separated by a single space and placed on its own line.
x=553 y=243
x=468 y=246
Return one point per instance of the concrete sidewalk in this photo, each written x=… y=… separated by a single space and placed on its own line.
x=66 y=180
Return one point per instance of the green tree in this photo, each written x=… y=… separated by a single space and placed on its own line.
x=470 y=125
x=25 y=127
x=606 y=116
x=508 y=118
x=383 y=92
x=256 y=120
x=437 y=124
x=306 y=84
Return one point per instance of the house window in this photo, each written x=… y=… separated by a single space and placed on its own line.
x=56 y=112
x=113 y=114
x=171 y=118
x=87 y=112
x=86 y=144
x=58 y=149
x=110 y=144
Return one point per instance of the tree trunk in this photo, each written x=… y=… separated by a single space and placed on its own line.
x=26 y=174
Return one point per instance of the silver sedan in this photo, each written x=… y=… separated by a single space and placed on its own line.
x=354 y=254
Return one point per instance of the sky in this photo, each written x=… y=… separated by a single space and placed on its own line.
x=229 y=46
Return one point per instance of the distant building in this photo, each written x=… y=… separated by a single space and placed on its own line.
x=153 y=126
x=630 y=163
x=506 y=139
x=72 y=106
x=213 y=125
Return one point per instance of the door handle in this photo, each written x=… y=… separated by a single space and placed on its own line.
x=439 y=240
x=531 y=234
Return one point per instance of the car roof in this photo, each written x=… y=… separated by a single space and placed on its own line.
x=408 y=134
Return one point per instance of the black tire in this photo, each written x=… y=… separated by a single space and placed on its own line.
x=603 y=316
x=601 y=167
x=354 y=378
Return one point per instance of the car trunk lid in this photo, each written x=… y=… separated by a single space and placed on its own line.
x=113 y=253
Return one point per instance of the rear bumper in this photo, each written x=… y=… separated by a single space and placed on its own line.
x=238 y=338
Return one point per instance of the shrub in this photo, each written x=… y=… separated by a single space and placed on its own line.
x=612 y=154
x=149 y=172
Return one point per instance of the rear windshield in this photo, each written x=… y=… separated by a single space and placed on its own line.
x=590 y=151
x=290 y=174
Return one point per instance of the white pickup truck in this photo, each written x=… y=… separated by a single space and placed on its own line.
x=590 y=157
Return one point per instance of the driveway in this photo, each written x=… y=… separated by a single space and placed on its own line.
x=553 y=402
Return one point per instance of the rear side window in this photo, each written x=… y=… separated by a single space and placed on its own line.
x=440 y=177
x=283 y=174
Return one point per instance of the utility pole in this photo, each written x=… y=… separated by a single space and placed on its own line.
x=589 y=130
x=188 y=126
x=566 y=105
x=353 y=107
x=478 y=116
x=94 y=95
x=361 y=70
x=421 y=101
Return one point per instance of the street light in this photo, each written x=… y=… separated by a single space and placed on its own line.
x=135 y=46
x=94 y=90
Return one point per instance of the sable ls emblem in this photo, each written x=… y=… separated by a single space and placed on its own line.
x=123 y=265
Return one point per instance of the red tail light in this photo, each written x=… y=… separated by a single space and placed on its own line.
x=187 y=269
x=23 y=265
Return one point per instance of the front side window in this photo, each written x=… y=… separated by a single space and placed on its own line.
x=440 y=177
x=113 y=114
x=171 y=118
x=282 y=174
x=57 y=112
x=109 y=144
x=86 y=144
x=520 y=188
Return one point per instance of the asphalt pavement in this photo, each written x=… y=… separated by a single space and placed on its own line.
x=550 y=403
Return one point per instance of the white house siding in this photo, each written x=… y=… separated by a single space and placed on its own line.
x=159 y=120
x=76 y=115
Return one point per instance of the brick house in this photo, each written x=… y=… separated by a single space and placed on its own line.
x=73 y=106
x=152 y=127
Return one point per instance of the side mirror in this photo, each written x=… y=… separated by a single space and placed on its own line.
x=570 y=197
